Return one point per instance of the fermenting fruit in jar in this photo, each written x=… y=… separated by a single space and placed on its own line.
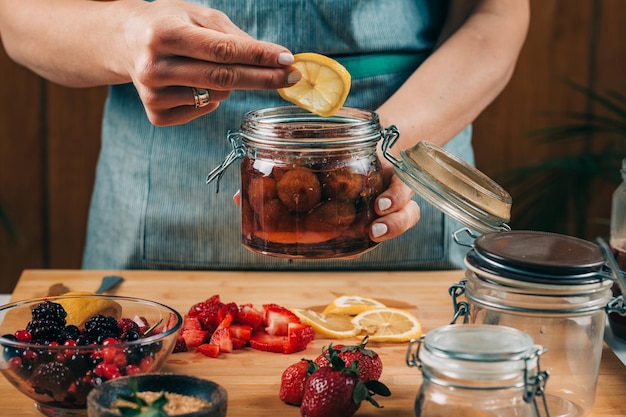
x=308 y=209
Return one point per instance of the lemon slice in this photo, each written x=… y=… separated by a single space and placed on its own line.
x=333 y=325
x=388 y=325
x=324 y=85
x=81 y=309
x=351 y=305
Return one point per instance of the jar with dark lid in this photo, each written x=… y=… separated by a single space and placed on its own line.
x=478 y=371
x=556 y=289
x=308 y=183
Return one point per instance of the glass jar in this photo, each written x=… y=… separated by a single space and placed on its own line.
x=478 y=370
x=554 y=288
x=308 y=183
x=617 y=244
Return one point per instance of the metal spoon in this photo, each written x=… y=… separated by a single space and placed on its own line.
x=616 y=272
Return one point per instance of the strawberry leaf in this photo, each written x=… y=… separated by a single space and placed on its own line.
x=378 y=387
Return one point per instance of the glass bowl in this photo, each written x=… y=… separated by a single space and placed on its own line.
x=57 y=349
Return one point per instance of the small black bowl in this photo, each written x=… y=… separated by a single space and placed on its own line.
x=101 y=397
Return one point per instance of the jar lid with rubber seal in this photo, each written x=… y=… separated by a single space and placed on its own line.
x=452 y=185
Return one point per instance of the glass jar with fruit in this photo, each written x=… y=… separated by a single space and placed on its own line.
x=308 y=183
x=478 y=370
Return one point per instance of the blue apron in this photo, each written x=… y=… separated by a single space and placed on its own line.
x=151 y=207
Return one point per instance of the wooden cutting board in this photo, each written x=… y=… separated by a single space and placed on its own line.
x=252 y=378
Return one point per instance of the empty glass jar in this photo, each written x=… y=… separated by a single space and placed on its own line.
x=554 y=288
x=478 y=371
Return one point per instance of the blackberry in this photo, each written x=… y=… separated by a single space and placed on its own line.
x=47 y=323
x=45 y=331
x=100 y=327
x=53 y=379
x=49 y=310
x=71 y=332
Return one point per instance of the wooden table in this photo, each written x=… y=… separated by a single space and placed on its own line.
x=252 y=378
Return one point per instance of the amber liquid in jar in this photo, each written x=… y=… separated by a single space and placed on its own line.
x=310 y=209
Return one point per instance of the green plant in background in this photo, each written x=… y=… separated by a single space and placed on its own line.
x=555 y=194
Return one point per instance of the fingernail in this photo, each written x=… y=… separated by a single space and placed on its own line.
x=379 y=229
x=294 y=77
x=285 y=58
x=384 y=203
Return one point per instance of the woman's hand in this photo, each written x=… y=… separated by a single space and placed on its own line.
x=398 y=212
x=174 y=46
x=165 y=47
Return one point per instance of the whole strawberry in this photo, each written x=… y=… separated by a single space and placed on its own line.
x=370 y=366
x=336 y=390
x=293 y=379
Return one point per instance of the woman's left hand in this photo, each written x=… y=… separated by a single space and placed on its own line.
x=398 y=212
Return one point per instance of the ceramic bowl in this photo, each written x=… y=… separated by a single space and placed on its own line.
x=57 y=373
x=100 y=399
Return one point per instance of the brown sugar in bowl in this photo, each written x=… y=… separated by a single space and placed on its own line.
x=100 y=402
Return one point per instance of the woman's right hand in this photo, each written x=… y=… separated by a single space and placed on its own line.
x=173 y=46
x=164 y=47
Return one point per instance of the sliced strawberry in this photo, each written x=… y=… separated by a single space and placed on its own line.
x=171 y=322
x=205 y=305
x=180 y=345
x=210 y=318
x=209 y=350
x=249 y=315
x=221 y=338
x=299 y=336
x=191 y=323
x=239 y=343
x=261 y=340
x=241 y=331
x=142 y=322
x=277 y=318
x=194 y=338
x=225 y=322
x=228 y=309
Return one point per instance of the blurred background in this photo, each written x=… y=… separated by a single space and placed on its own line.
x=554 y=139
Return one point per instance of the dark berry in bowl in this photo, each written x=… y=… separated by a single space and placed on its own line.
x=57 y=363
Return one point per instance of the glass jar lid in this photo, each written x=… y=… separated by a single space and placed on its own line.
x=539 y=256
x=452 y=185
x=478 y=343
x=496 y=355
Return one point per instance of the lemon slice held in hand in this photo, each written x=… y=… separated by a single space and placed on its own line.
x=388 y=325
x=324 y=85
x=80 y=308
x=332 y=325
x=351 y=305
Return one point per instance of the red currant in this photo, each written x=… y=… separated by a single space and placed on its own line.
x=23 y=336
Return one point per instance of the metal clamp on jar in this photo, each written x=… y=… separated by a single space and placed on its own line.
x=478 y=370
x=557 y=289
